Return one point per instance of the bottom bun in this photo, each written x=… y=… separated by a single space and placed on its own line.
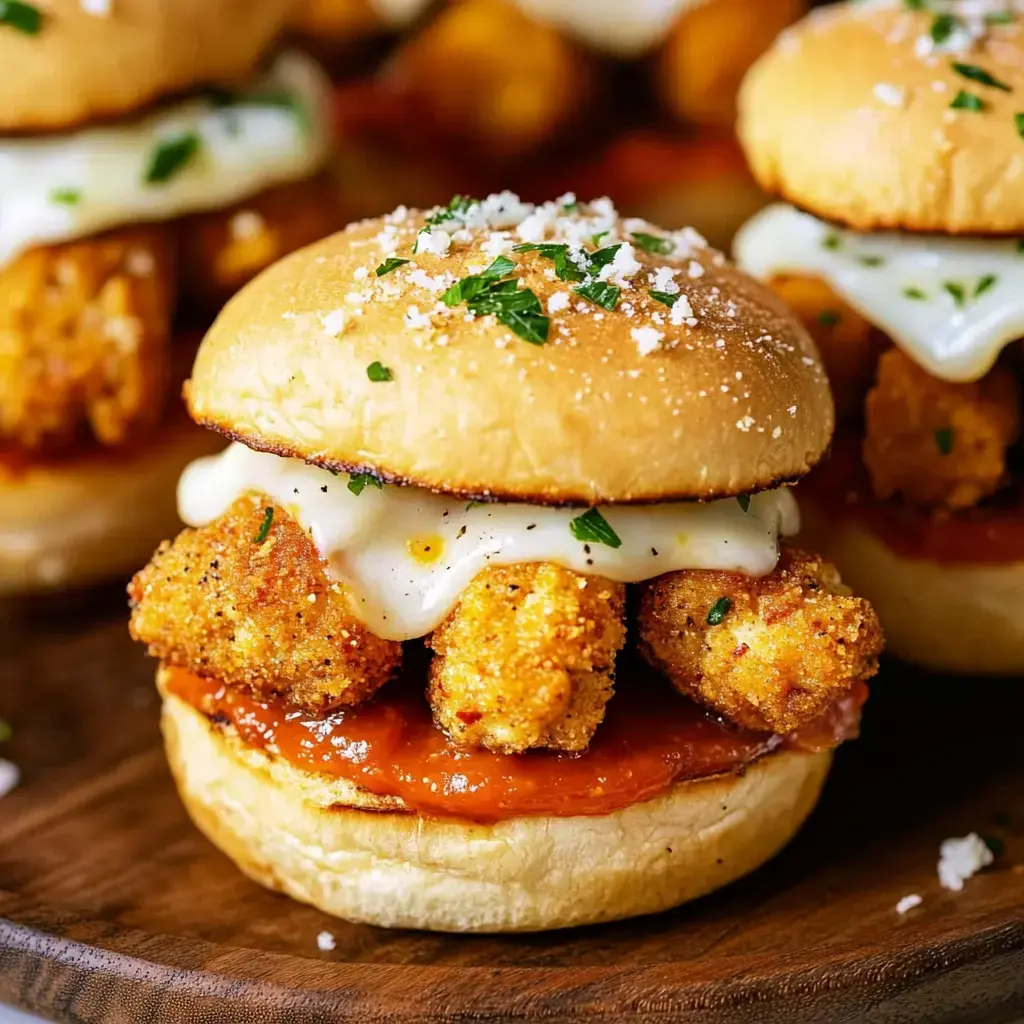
x=95 y=516
x=948 y=617
x=297 y=832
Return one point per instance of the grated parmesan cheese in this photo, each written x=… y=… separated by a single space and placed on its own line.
x=962 y=858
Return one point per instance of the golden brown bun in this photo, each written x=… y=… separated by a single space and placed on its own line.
x=80 y=66
x=843 y=118
x=736 y=403
x=948 y=617
x=95 y=516
x=298 y=832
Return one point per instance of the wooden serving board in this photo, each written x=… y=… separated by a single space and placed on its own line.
x=113 y=908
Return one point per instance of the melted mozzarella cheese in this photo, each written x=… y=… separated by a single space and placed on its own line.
x=624 y=29
x=407 y=554
x=951 y=304
x=55 y=188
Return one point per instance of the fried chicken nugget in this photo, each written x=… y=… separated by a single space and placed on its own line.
x=220 y=250
x=936 y=443
x=527 y=659
x=850 y=346
x=247 y=600
x=769 y=654
x=84 y=338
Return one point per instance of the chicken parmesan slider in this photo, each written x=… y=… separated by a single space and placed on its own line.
x=153 y=157
x=895 y=133
x=485 y=622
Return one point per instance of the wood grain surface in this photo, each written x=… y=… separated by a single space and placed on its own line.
x=113 y=908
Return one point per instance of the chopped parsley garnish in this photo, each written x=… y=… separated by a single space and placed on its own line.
x=282 y=100
x=944 y=440
x=828 y=318
x=976 y=74
x=966 y=101
x=391 y=263
x=719 y=610
x=601 y=294
x=602 y=257
x=956 y=290
x=943 y=27
x=743 y=500
x=596 y=239
x=592 y=526
x=653 y=243
x=573 y=207
x=665 y=298
x=870 y=261
x=456 y=209
x=558 y=252
x=984 y=284
x=268 y=518
x=914 y=293
x=1018 y=120
x=6 y=732
x=999 y=18
x=831 y=242
x=1020 y=245
x=378 y=372
x=357 y=482
x=170 y=156
x=469 y=287
x=474 y=504
x=21 y=16
x=66 y=196
x=914 y=5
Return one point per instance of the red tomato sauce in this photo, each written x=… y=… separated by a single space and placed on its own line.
x=991 y=534
x=651 y=738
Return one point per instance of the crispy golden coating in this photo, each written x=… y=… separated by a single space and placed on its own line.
x=776 y=652
x=527 y=658
x=711 y=48
x=220 y=250
x=936 y=443
x=252 y=605
x=483 y=72
x=850 y=346
x=84 y=338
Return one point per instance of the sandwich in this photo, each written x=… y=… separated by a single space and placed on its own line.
x=894 y=132
x=149 y=165
x=485 y=620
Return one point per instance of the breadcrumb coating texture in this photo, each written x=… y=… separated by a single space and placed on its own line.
x=935 y=443
x=768 y=654
x=527 y=659
x=84 y=338
x=247 y=600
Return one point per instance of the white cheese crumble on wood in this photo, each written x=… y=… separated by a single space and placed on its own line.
x=960 y=858
x=908 y=903
x=10 y=776
x=326 y=942
x=245 y=224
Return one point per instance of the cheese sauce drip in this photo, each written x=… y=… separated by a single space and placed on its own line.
x=217 y=149
x=951 y=304
x=407 y=554
x=623 y=29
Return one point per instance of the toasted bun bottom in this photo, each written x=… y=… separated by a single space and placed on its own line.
x=81 y=520
x=297 y=832
x=949 y=617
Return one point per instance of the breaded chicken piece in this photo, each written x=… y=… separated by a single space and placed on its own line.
x=768 y=654
x=247 y=600
x=220 y=250
x=84 y=338
x=850 y=346
x=527 y=659
x=935 y=443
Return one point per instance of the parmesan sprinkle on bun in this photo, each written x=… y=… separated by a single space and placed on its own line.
x=892 y=115
x=498 y=349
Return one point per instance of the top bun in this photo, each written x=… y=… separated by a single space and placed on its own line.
x=70 y=61
x=850 y=116
x=721 y=394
